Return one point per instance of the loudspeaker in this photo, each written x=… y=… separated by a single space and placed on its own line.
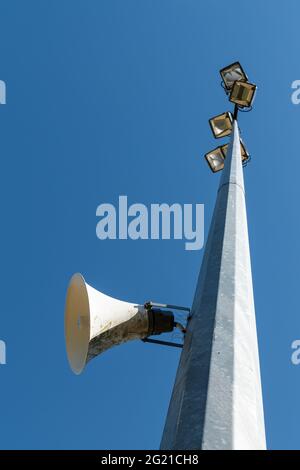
x=95 y=322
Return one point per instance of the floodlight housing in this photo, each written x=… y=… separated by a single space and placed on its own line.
x=232 y=73
x=215 y=159
x=221 y=125
x=242 y=94
x=244 y=152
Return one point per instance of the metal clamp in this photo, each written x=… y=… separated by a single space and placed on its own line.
x=150 y=304
x=151 y=307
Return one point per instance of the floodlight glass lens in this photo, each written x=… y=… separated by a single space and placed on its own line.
x=215 y=159
x=242 y=93
x=221 y=125
x=233 y=73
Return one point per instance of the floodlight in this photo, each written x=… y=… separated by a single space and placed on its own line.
x=215 y=159
x=242 y=94
x=221 y=125
x=244 y=152
x=232 y=73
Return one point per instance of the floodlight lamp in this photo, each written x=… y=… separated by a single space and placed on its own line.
x=244 y=152
x=242 y=94
x=221 y=125
x=232 y=73
x=215 y=159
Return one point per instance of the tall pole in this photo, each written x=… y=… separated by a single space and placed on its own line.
x=217 y=400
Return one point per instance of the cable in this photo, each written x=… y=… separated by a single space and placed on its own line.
x=224 y=88
x=245 y=110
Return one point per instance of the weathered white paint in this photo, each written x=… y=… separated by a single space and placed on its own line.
x=94 y=322
x=217 y=398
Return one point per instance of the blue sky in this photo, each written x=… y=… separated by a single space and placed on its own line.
x=112 y=97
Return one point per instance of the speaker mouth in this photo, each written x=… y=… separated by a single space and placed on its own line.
x=77 y=323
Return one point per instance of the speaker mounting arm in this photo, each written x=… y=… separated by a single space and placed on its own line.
x=163 y=321
x=164 y=343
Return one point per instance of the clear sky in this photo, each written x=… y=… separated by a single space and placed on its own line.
x=112 y=97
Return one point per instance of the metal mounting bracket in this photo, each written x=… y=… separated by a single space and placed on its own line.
x=164 y=343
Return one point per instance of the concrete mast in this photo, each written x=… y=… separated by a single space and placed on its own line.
x=217 y=400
